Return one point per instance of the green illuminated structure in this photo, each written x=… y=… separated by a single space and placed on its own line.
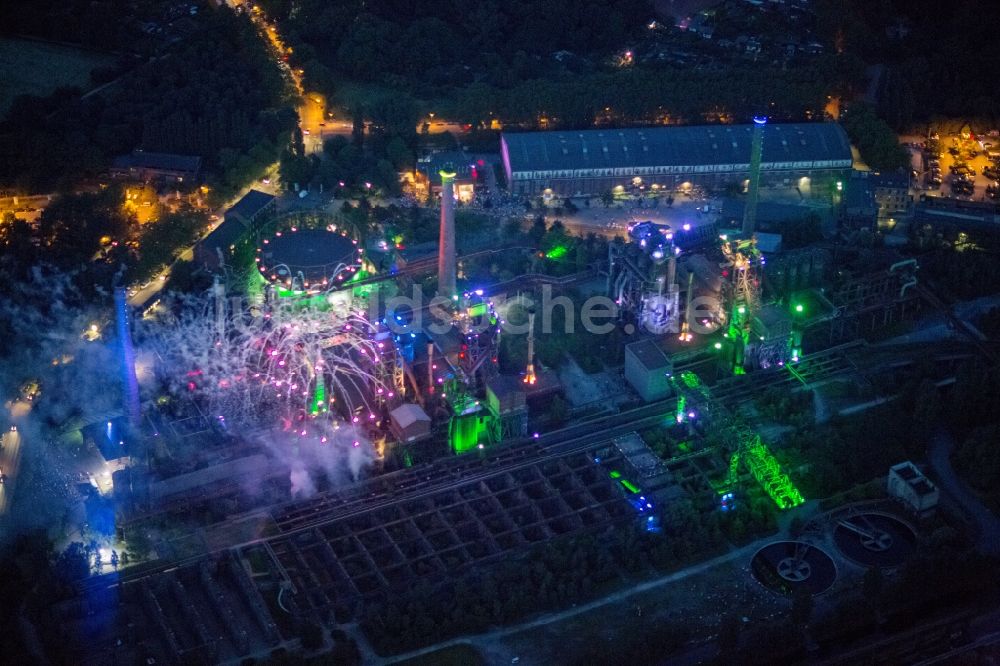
x=767 y=472
x=318 y=402
x=558 y=252
x=744 y=297
x=468 y=431
x=471 y=425
x=625 y=483
x=745 y=443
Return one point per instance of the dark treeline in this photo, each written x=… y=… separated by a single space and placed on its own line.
x=105 y=26
x=216 y=94
x=938 y=57
x=373 y=159
x=552 y=575
x=497 y=59
x=874 y=138
x=641 y=94
x=452 y=42
x=95 y=240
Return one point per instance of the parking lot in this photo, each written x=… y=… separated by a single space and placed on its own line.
x=957 y=166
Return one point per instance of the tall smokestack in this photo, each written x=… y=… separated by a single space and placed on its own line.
x=529 y=375
x=430 y=368
x=756 y=150
x=671 y=271
x=446 y=239
x=130 y=384
x=686 y=325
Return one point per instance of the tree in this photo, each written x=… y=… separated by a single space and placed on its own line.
x=926 y=409
x=311 y=635
x=877 y=142
x=73 y=563
x=537 y=231
x=607 y=198
x=872 y=585
x=729 y=635
x=896 y=102
x=358 y=126
x=73 y=226
x=558 y=411
x=162 y=241
x=802 y=607
x=801 y=232
x=399 y=154
x=295 y=169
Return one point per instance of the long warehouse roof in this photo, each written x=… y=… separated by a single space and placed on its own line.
x=673 y=146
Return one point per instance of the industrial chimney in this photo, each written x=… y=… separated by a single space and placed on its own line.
x=446 y=240
x=686 y=325
x=430 y=368
x=529 y=375
x=756 y=150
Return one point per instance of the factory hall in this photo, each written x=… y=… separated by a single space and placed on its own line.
x=593 y=162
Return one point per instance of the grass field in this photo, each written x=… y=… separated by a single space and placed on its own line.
x=36 y=68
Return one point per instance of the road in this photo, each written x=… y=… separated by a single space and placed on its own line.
x=615 y=220
x=987 y=525
x=550 y=618
x=10 y=453
x=146 y=294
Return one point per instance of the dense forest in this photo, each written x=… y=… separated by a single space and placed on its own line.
x=216 y=93
x=111 y=25
x=520 y=61
x=937 y=56
x=636 y=94
x=451 y=42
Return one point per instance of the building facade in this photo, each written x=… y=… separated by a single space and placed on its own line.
x=592 y=162
x=648 y=370
x=157 y=167
x=217 y=248
x=908 y=484
x=892 y=195
x=466 y=170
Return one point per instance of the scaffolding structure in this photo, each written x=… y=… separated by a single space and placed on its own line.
x=744 y=444
x=742 y=292
x=479 y=326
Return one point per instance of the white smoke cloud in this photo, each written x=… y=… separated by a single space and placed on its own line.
x=43 y=345
x=315 y=461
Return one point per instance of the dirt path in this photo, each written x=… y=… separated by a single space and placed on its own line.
x=485 y=641
x=987 y=525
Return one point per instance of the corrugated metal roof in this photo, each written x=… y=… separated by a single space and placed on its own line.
x=673 y=146
x=649 y=354
x=167 y=161
x=252 y=203
x=223 y=236
x=407 y=414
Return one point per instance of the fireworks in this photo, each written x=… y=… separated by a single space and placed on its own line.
x=303 y=366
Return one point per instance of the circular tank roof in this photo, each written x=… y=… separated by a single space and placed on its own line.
x=308 y=258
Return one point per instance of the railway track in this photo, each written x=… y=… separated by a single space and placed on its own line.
x=576 y=438
x=415 y=483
